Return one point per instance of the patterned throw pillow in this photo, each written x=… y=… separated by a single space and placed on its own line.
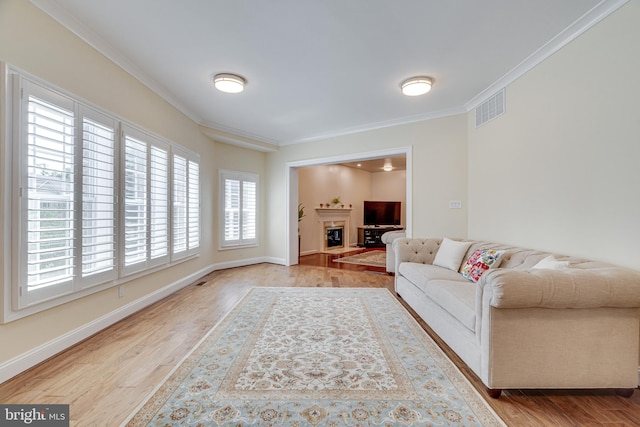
x=479 y=262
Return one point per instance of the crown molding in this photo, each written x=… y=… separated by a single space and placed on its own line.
x=238 y=140
x=582 y=24
x=379 y=125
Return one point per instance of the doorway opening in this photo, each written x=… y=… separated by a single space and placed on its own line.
x=291 y=231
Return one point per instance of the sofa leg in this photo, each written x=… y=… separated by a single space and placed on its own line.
x=624 y=392
x=494 y=392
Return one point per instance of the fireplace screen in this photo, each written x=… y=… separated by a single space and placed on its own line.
x=335 y=237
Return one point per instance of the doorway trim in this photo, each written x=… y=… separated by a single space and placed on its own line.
x=291 y=228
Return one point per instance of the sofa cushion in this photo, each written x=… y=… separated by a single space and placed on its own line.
x=480 y=261
x=450 y=254
x=551 y=263
x=457 y=298
x=422 y=274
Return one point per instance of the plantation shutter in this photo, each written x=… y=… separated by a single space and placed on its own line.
x=231 y=210
x=249 y=210
x=146 y=201
x=194 y=205
x=179 y=204
x=159 y=232
x=135 y=201
x=47 y=265
x=239 y=199
x=186 y=204
x=98 y=198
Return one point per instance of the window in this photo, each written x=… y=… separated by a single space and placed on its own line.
x=186 y=204
x=67 y=211
x=146 y=200
x=48 y=196
x=239 y=209
x=92 y=197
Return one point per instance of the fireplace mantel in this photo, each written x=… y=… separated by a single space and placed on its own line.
x=322 y=211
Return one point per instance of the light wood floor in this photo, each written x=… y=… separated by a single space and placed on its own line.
x=105 y=377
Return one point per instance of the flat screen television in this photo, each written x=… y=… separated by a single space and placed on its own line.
x=381 y=213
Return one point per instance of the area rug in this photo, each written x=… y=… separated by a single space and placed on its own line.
x=320 y=357
x=370 y=258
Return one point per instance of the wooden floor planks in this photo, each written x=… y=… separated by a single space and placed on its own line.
x=105 y=377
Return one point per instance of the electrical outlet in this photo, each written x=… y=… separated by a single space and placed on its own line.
x=455 y=204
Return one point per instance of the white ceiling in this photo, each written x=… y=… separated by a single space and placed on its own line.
x=377 y=165
x=319 y=68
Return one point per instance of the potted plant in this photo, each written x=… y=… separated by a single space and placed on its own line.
x=300 y=216
x=336 y=200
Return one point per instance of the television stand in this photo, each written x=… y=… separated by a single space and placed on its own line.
x=369 y=237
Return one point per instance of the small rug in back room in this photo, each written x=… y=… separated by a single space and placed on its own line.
x=370 y=258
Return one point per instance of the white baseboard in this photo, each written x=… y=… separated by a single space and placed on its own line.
x=39 y=354
x=249 y=261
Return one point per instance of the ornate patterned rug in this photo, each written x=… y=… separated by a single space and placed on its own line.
x=371 y=258
x=320 y=357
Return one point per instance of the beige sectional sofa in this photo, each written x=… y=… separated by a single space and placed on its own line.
x=567 y=323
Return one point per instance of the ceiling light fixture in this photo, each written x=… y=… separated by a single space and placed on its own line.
x=387 y=166
x=416 y=86
x=229 y=83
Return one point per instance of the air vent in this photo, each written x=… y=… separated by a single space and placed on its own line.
x=490 y=109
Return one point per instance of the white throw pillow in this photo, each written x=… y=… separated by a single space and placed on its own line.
x=450 y=254
x=551 y=263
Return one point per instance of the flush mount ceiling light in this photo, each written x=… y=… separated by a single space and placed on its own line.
x=229 y=83
x=416 y=86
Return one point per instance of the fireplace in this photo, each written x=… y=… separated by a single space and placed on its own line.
x=335 y=237
x=333 y=228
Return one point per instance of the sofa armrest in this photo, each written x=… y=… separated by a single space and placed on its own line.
x=388 y=237
x=569 y=288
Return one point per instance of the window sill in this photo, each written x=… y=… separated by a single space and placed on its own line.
x=239 y=246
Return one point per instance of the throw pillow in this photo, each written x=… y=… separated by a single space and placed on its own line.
x=551 y=263
x=480 y=261
x=450 y=254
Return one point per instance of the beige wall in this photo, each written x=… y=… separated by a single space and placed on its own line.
x=35 y=43
x=390 y=187
x=559 y=170
x=439 y=174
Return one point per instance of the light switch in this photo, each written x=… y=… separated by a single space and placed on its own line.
x=455 y=204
